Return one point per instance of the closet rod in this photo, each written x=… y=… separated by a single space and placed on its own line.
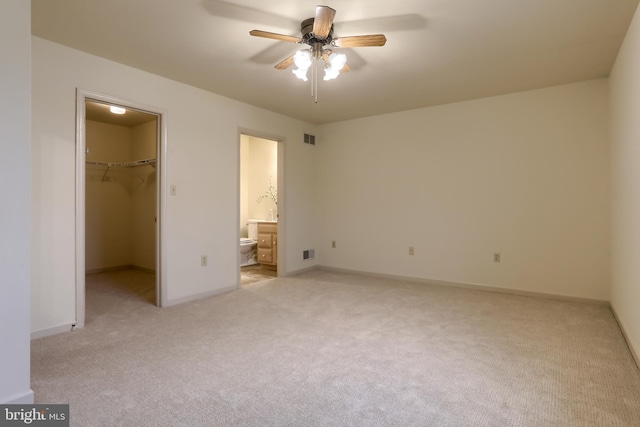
x=134 y=164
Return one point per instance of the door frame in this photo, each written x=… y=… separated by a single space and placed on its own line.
x=281 y=211
x=161 y=150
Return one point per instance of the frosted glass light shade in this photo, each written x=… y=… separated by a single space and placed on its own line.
x=302 y=59
x=337 y=61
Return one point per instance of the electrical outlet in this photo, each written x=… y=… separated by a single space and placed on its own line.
x=496 y=257
x=172 y=190
x=203 y=260
x=411 y=250
x=333 y=244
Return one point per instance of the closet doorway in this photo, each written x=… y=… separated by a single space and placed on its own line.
x=118 y=250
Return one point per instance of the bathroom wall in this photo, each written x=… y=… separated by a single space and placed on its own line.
x=263 y=169
x=244 y=184
x=259 y=166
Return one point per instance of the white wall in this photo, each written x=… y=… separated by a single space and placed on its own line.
x=143 y=184
x=625 y=165
x=121 y=203
x=526 y=175
x=244 y=184
x=108 y=204
x=258 y=164
x=263 y=169
x=15 y=148
x=202 y=161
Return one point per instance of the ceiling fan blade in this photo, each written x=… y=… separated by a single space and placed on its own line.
x=360 y=41
x=276 y=36
x=323 y=21
x=285 y=63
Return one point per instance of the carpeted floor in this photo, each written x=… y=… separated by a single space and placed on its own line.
x=333 y=349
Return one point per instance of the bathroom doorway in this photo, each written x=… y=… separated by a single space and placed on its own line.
x=258 y=209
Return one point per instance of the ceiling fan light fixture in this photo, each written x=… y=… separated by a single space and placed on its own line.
x=302 y=59
x=317 y=33
x=301 y=74
x=337 y=62
x=117 y=110
x=330 y=74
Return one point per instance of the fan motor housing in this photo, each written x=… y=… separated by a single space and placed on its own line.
x=306 y=28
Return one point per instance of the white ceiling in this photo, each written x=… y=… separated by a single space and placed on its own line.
x=438 y=51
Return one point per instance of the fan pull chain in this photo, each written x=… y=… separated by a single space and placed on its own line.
x=315 y=83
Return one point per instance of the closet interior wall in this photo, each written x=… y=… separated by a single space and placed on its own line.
x=120 y=207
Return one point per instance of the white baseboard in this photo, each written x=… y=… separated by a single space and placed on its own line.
x=632 y=349
x=202 y=295
x=51 y=331
x=119 y=267
x=473 y=286
x=302 y=270
x=25 y=398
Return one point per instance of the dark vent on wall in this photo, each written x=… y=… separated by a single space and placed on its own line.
x=308 y=254
x=309 y=139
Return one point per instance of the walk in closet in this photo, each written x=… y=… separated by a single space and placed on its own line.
x=120 y=190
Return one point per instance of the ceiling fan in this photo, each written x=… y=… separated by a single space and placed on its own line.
x=317 y=33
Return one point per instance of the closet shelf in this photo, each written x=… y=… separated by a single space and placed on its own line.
x=133 y=164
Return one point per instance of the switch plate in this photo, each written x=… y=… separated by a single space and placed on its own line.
x=411 y=250
x=333 y=244
x=496 y=257
x=203 y=260
x=172 y=190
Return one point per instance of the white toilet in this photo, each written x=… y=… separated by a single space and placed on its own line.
x=248 y=245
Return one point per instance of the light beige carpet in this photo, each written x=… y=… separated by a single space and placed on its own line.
x=329 y=349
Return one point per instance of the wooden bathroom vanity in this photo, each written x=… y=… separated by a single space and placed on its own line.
x=268 y=243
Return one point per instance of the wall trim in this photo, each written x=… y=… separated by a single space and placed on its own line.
x=66 y=327
x=302 y=270
x=26 y=398
x=634 y=353
x=120 y=267
x=472 y=286
x=199 y=296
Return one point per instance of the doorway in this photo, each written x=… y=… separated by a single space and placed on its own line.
x=118 y=193
x=259 y=216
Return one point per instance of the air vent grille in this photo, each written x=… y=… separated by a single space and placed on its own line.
x=309 y=139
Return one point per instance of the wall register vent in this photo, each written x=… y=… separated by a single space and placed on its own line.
x=309 y=139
